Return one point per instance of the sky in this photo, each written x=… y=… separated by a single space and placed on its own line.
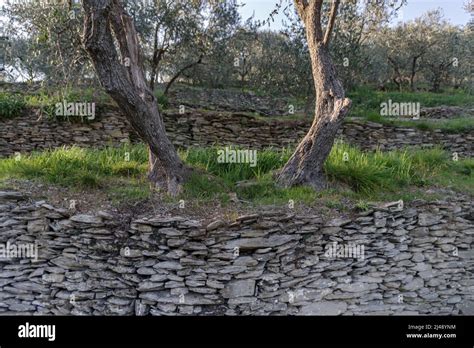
x=453 y=10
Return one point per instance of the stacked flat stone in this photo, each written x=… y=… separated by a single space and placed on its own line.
x=196 y=128
x=417 y=260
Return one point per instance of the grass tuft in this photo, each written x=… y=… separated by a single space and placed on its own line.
x=11 y=105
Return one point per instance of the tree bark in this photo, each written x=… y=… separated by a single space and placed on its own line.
x=413 y=73
x=306 y=165
x=121 y=74
x=155 y=59
x=397 y=76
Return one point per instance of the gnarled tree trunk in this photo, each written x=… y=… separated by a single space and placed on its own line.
x=121 y=74
x=306 y=165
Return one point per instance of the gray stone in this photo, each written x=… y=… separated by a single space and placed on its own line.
x=258 y=243
x=171 y=265
x=357 y=287
x=239 y=288
x=21 y=307
x=420 y=232
x=53 y=278
x=215 y=225
x=338 y=222
x=324 y=308
x=245 y=261
x=35 y=226
x=427 y=219
x=415 y=284
x=418 y=257
x=86 y=219
x=466 y=307
x=150 y=286
x=11 y=196
x=146 y=271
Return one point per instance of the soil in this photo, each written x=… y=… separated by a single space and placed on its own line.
x=95 y=200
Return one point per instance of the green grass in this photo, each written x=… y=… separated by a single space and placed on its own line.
x=130 y=190
x=11 y=105
x=366 y=104
x=45 y=101
x=162 y=99
x=352 y=173
x=366 y=101
x=74 y=166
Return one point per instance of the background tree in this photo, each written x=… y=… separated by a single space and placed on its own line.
x=357 y=26
x=164 y=27
x=407 y=44
x=443 y=56
x=46 y=41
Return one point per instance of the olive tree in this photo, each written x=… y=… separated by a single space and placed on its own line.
x=306 y=165
x=46 y=40
x=119 y=68
x=407 y=44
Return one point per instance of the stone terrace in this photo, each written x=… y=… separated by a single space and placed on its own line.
x=197 y=128
x=416 y=260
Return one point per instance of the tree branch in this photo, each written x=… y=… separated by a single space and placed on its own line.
x=182 y=70
x=310 y=12
x=332 y=20
x=301 y=6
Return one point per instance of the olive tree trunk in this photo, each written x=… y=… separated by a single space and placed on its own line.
x=111 y=41
x=306 y=165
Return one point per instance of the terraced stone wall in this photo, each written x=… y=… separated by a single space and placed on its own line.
x=394 y=260
x=194 y=128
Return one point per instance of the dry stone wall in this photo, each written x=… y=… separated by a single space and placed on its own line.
x=196 y=128
x=446 y=112
x=416 y=259
x=265 y=105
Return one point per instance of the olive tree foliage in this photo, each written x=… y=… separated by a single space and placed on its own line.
x=354 y=34
x=469 y=7
x=407 y=44
x=424 y=53
x=427 y=51
x=164 y=26
x=244 y=52
x=45 y=41
x=297 y=58
x=449 y=60
x=21 y=60
x=220 y=65
x=176 y=36
x=204 y=42
x=367 y=50
x=283 y=65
